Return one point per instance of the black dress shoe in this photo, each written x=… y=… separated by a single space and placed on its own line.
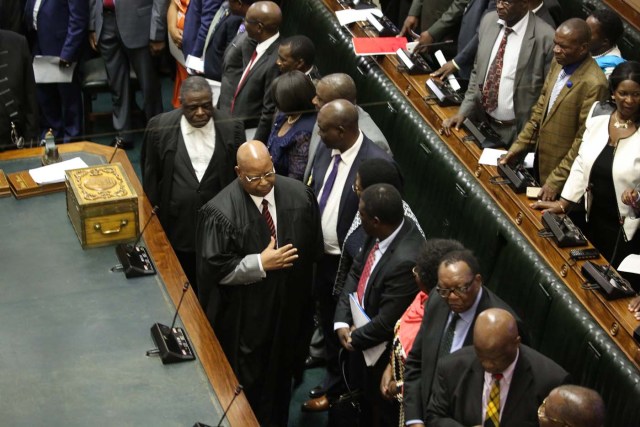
x=316 y=392
x=313 y=362
x=121 y=143
x=316 y=405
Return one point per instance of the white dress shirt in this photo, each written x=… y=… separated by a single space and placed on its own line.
x=200 y=143
x=505 y=111
x=330 y=214
x=505 y=384
x=464 y=324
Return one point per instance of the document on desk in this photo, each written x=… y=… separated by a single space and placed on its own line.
x=53 y=173
x=46 y=69
x=360 y=318
x=366 y=46
x=349 y=16
x=491 y=156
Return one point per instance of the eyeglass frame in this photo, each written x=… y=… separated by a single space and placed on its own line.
x=459 y=291
x=265 y=176
x=542 y=414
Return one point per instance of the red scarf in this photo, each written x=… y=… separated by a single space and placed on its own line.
x=410 y=322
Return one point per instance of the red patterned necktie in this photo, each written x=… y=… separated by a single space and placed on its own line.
x=244 y=78
x=366 y=272
x=267 y=217
x=492 y=83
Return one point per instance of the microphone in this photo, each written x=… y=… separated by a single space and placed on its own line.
x=135 y=260
x=236 y=393
x=171 y=342
x=564 y=231
x=517 y=176
x=117 y=145
x=609 y=282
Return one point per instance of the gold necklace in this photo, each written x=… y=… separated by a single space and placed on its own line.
x=291 y=120
x=621 y=125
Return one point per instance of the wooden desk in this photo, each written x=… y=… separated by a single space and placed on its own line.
x=192 y=391
x=612 y=316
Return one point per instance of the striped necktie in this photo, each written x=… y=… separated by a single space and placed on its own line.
x=267 y=217
x=557 y=88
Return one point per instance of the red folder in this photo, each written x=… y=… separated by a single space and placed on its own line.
x=363 y=46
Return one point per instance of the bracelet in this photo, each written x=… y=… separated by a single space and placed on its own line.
x=561 y=207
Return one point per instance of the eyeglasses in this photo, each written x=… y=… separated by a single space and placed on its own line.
x=265 y=176
x=505 y=2
x=543 y=415
x=459 y=291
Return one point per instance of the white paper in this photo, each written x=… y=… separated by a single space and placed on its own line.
x=528 y=160
x=176 y=52
x=360 y=318
x=194 y=63
x=348 y=16
x=490 y=156
x=46 y=69
x=54 y=173
x=631 y=264
x=411 y=46
x=450 y=78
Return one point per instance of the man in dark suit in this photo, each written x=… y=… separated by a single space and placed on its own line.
x=127 y=34
x=384 y=286
x=256 y=242
x=298 y=53
x=187 y=157
x=496 y=382
x=557 y=121
x=251 y=100
x=58 y=28
x=344 y=147
x=17 y=92
x=510 y=67
x=224 y=28
x=447 y=325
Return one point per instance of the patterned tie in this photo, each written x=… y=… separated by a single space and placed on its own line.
x=492 y=83
x=557 y=88
x=328 y=185
x=267 y=217
x=447 y=337
x=492 y=417
x=366 y=273
x=244 y=78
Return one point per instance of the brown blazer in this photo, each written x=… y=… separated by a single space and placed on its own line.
x=560 y=131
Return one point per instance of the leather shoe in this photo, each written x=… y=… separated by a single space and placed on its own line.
x=319 y=404
x=313 y=362
x=316 y=392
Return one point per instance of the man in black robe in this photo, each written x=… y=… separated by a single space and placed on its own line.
x=256 y=244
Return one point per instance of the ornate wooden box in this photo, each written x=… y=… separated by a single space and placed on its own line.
x=102 y=205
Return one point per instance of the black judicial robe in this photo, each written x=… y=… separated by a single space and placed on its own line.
x=263 y=327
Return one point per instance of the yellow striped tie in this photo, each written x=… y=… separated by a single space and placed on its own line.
x=492 y=417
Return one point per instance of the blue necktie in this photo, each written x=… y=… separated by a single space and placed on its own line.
x=328 y=185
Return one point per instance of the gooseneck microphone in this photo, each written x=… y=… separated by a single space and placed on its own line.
x=171 y=342
x=135 y=260
x=236 y=393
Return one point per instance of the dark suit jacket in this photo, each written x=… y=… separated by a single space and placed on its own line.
x=14 y=53
x=457 y=391
x=348 y=200
x=390 y=290
x=62 y=27
x=533 y=63
x=421 y=362
x=199 y=15
x=254 y=104
x=164 y=158
x=231 y=70
x=467 y=37
x=222 y=37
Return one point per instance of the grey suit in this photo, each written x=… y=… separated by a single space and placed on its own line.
x=366 y=125
x=123 y=37
x=535 y=56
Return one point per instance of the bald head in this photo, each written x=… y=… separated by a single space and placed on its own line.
x=263 y=20
x=255 y=168
x=572 y=40
x=338 y=124
x=252 y=151
x=574 y=405
x=335 y=86
x=496 y=339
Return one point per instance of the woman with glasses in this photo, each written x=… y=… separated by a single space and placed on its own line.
x=291 y=132
x=606 y=172
x=426 y=275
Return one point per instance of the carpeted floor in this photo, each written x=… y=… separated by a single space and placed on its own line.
x=103 y=134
